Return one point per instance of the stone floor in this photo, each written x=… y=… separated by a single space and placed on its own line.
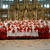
x=34 y=44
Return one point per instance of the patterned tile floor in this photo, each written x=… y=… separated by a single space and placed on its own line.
x=35 y=44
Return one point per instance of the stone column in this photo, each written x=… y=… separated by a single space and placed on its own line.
x=1 y=3
x=36 y=13
x=32 y=1
x=36 y=1
x=49 y=3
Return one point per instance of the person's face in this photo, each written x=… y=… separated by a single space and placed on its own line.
x=10 y=19
x=36 y=18
x=19 y=19
x=32 y=18
x=6 y=19
x=0 y=19
x=45 y=18
x=41 y=18
x=27 y=18
x=15 y=19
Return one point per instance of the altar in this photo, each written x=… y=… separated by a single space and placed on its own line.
x=32 y=10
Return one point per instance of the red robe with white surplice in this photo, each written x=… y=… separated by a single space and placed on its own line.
x=20 y=29
x=25 y=29
x=28 y=29
x=13 y=31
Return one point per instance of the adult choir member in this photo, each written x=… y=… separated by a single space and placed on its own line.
x=47 y=31
x=39 y=31
x=43 y=32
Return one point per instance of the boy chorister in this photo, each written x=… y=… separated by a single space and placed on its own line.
x=13 y=31
x=31 y=31
x=9 y=31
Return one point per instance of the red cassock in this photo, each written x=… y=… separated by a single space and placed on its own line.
x=0 y=23
x=36 y=28
x=4 y=35
x=39 y=32
x=20 y=29
x=42 y=32
x=17 y=29
x=25 y=29
x=2 y=32
x=47 y=32
x=13 y=31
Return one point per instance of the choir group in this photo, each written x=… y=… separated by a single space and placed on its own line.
x=25 y=28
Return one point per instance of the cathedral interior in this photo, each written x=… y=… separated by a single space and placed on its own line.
x=19 y=9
